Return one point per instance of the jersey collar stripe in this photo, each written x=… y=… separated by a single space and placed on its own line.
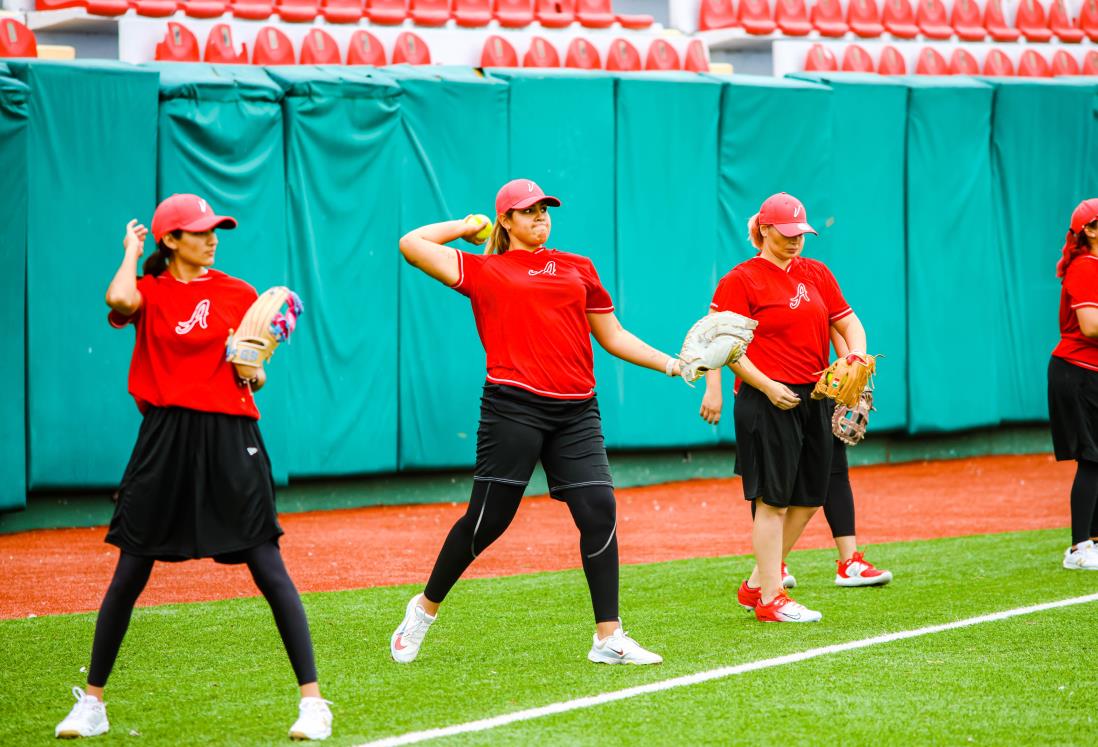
x=527 y=387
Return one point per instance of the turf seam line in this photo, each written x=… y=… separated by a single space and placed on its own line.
x=712 y=674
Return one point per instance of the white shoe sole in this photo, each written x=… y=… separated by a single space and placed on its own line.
x=1074 y=567
x=597 y=658
x=854 y=581
x=74 y=734
x=300 y=736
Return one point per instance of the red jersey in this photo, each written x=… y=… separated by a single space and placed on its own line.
x=795 y=308
x=1080 y=289
x=531 y=313
x=179 y=352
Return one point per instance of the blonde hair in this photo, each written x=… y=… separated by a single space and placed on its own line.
x=754 y=233
x=500 y=241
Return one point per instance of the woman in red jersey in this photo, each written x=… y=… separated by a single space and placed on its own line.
x=1073 y=381
x=198 y=484
x=535 y=310
x=783 y=436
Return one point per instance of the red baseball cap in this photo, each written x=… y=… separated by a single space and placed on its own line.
x=518 y=194
x=187 y=213
x=786 y=213
x=1085 y=212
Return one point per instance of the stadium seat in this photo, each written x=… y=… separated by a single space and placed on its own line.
x=541 y=54
x=319 y=48
x=556 y=14
x=635 y=21
x=662 y=56
x=792 y=17
x=365 y=49
x=1032 y=64
x=1063 y=63
x=966 y=21
x=961 y=62
x=296 y=11
x=864 y=19
x=220 y=48
x=820 y=59
x=430 y=12
x=995 y=22
x=892 y=62
x=16 y=40
x=178 y=45
x=1090 y=63
x=472 y=13
x=514 y=14
x=622 y=56
x=252 y=10
x=498 y=52
x=156 y=8
x=386 y=12
x=582 y=55
x=594 y=14
x=716 y=14
x=205 y=8
x=410 y=49
x=107 y=7
x=754 y=16
x=1059 y=22
x=827 y=18
x=1032 y=22
x=899 y=19
x=933 y=20
x=1088 y=19
x=697 y=59
x=856 y=60
x=272 y=47
x=342 y=11
x=997 y=63
x=931 y=62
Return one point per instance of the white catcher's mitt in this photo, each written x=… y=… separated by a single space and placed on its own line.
x=713 y=342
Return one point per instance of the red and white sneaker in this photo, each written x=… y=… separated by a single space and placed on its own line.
x=860 y=572
x=788 y=581
x=748 y=597
x=784 y=610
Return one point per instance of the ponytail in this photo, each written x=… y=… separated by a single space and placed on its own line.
x=500 y=241
x=157 y=262
x=1075 y=245
x=754 y=234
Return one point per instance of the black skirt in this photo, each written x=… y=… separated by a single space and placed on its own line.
x=1073 y=410
x=198 y=485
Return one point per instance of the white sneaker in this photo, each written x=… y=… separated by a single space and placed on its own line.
x=406 y=640
x=88 y=718
x=314 y=720
x=1083 y=558
x=619 y=648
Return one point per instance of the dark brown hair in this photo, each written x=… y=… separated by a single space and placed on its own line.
x=157 y=262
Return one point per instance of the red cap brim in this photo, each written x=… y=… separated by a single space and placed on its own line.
x=789 y=230
x=547 y=199
x=206 y=222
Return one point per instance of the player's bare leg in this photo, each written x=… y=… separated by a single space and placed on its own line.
x=766 y=540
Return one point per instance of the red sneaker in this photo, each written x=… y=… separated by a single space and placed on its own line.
x=784 y=609
x=860 y=572
x=748 y=597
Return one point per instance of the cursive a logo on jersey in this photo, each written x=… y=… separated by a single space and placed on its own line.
x=549 y=269
x=802 y=295
x=198 y=318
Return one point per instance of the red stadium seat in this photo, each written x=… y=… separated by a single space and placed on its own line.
x=341 y=11
x=961 y=62
x=107 y=7
x=541 y=54
x=272 y=47
x=556 y=14
x=1033 y=65
x=754 y=16
x=892 y=62
x=205 y=8
x=622 y=56
x=430 y=12
x=1090 y=63
x=1032 y=22
x=156 y=8
x=219 y=47
x=856 y=60
x=253 y=10
x=1059 y=22
x=16 y=40
x=58 y=4
x=581 y=54
x=410 y=49
x=697 y=58
x=595 y=14
x=792 y=17
x=931 y=62
x=820 y=59
x=178 y=45
x=996 y=24
x=365 y=49
x=498 y=52
x=319 y=48
x=662 y=56
x=864 y=19
x=514 y=14
x=716 y=14
x=899 y=19
x=1063 y=63
x=966 y=21
x=386 y=12
x=297 y=11
x=635 y=21
x=473 y=13
x=827 y=18
x=1088 y=19
x=933 y=20
x=997 y=63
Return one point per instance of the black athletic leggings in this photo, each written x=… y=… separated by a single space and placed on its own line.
x=269 y=573
x=1084 y=502
x=492 y=507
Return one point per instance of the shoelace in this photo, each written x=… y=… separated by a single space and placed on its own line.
x=416 y=631
x=319 y=705
x=83 y=702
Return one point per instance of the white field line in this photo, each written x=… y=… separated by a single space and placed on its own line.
x=712 y=674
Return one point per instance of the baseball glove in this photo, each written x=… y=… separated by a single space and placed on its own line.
x=713 y=342
x=849 y=423
x=268 y=321
x=846 y=379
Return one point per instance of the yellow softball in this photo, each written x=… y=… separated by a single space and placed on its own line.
x=477 y=219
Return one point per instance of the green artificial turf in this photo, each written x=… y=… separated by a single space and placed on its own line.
x=215 y=673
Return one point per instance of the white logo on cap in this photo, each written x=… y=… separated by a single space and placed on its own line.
x=202 y=205
x=529 y=186
x=796 y=211
x=549 y=269
x=198 y=317
x=802 y=295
